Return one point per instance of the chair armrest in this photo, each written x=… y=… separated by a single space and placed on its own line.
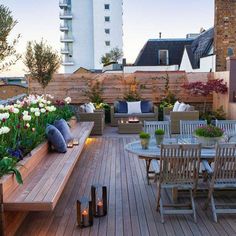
x=112 y=110
x=155 y=109
x=185 y=115
x=90 y=116
x=207 y=167
x=167 y=110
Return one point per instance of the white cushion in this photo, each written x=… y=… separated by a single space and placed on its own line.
x=134 y=107
x=83 y=108
x=92 y=105
x=188 y=107
x=176 y=106
x=89 y=108
x=182 y=107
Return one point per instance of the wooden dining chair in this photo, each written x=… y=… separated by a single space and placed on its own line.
x=223 y=177
x=151 y=126
x=187 y=127
x=228 y=126
x=179 y=168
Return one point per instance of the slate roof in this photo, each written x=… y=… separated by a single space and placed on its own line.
x=201 y=47
x=196 y=49
x=149 y=54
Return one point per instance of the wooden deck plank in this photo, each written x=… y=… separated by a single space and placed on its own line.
x=132 y=203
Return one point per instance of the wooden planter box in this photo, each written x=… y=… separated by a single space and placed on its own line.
x=8 y=184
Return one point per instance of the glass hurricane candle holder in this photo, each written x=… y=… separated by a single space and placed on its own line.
x=99 y=200
x=84 y=213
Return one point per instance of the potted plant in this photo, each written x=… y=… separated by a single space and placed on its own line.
x=159 y=133
x=209 y=135
x=145 y=138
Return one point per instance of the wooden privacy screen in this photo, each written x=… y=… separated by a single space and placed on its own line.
x=150 y=85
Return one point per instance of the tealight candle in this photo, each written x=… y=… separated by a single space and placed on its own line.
x=85 y=218
x=100 y=208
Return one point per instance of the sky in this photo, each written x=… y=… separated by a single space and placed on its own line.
x=143 y=20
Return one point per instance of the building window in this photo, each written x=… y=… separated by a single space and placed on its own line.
x=107 y=6
x=107 y=43
x=163 y=57
x=107 y=31
x=107 y=18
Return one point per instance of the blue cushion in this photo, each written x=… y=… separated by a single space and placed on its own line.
x=55 y=137
x=146 y=106
x=64 y=128
x=122 y=107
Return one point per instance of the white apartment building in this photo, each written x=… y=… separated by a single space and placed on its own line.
x=89 y=29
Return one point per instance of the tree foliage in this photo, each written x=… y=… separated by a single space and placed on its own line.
x=8 y=54
x=113 y=56
x=42 y=62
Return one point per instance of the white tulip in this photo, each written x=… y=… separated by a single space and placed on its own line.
x=37 y=113
x=25 y=113
x=4 y=130
x=67 y=100
x=16 y=110
x=5 y=116
x=43 y=110
x=26 y=117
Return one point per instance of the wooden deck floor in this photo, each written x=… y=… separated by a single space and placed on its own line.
x=132 y=202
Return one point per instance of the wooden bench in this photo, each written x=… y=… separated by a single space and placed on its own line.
x=45 y=175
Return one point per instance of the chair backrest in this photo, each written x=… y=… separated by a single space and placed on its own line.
x=179 y=164
x=225 y=164
x=151 y=126
x=229 y=126
x=187 y=127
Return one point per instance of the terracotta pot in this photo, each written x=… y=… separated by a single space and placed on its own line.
x=159 y=139
x=145 y=143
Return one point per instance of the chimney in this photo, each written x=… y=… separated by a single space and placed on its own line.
x=160 y=35
x=124 y=62
x=225 y=27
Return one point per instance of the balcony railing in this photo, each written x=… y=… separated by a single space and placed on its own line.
x=66 y=51
x=67 y=39
x=63 y=4
x=64 y=28
x=66 y=15
x=68 y=62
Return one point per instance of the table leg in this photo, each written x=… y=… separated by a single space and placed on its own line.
x=148 y=163
x=175 y=194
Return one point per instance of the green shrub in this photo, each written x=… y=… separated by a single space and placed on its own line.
x=144 y=135
x=159 y=132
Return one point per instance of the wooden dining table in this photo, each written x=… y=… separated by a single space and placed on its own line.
x=152 y=154
x=153 y=151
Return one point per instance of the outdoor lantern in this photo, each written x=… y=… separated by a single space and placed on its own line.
x=99 y=200
x=84 y=213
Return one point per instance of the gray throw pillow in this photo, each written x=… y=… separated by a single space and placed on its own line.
x=64 y=128
x=55 y=137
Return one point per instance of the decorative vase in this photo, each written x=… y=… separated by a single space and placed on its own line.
x=159 y=139
x=144 y=143
x=209 y=141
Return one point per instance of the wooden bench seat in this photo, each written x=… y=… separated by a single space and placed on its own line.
x=42 y=188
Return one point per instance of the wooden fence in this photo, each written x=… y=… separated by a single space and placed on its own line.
x=150 y=85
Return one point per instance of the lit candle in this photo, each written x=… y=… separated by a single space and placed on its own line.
x=85 y=218
x=100 y=208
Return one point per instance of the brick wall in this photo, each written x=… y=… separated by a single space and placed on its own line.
x=8 y=91
x=225 y=31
